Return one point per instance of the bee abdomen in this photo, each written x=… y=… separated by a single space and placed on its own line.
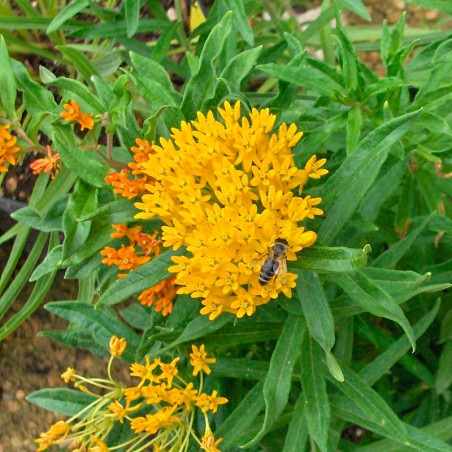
x=267 y=272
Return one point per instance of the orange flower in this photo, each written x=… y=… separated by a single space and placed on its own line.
x=74 y=113
x=7 y=148
x=141 y=153
x=47 y=164
x=129 y=188
x=164 y=292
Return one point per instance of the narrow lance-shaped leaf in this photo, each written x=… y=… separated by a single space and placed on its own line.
x=132 y=13
x=297 y=434
x=278 y=381
x=330 y=259
x=201 y=85
x=317 y=409
x=61 y=400
x=368 y=405
x=67 y=13
x=7 y=82
x=319 y=318
x=240 y=420
x=383 y=363
x=240 y=20
x=366 y=293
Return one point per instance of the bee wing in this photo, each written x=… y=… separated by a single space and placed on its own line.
x=282 y=270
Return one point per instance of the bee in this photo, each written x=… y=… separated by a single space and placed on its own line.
x=275 y=264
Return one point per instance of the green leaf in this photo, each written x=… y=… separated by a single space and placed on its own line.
x=73 y=89
x=347 y=186
x=240 y=20
x=15 y=286
x=443 y=53
x=278 y=381
x=115 y=212
x=81 y=63
x=367 y=294
x=391 y=256
x=442 y=5
x=363 y=403
x=383 y=363
x=330 y=259
x=202 y=84
x=132 y=14
x=353 y=129
x=164 y=42
x=82 y=201
x=99 y=237
x=79 y=161
x=433 y=433
x=382 y=190
x=297 y=434
x=311 y=79
x=239 y=67
x=444 y=374
x=240 y=420
x=73 y=8
x=142 y=278
x=382 y=86
x=77 y=337
x=51 y=263
x=102 y=324
x=7 y=82
x=118 y=29
x=357 y=7
x=317 y=312
x=317 y=409
x=244 y=333
x=348 y=59
x=61 y=400
x=40 y=290
x=199 y=327
x=245 y=369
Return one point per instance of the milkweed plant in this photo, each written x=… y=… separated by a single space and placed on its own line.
x=260 y=233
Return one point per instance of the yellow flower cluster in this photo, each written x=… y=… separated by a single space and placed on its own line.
x=225 y=192
x=173 y=402
x=8 y=148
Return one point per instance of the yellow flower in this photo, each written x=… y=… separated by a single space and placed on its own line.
x=101 y=446
x=68 y=375
x=169 y=371
x=208 y=441
x=224 y=190
x=117 y=346
x=210 y=402
x=199 y=360
x=145 y=372
x=119 y=412
x=57 y=432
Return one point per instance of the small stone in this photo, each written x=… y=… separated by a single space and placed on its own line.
x=11 y=184
x=20 y=394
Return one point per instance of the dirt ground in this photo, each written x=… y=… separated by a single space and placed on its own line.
x=28 y=362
